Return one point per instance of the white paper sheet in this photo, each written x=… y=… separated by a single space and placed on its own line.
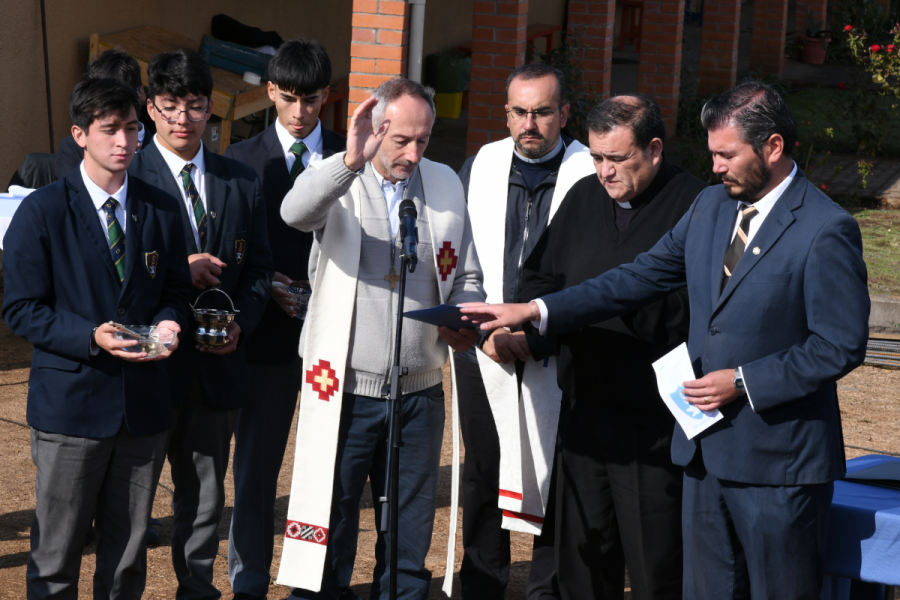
x=672 y=370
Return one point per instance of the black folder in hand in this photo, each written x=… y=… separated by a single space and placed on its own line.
x=444 y=315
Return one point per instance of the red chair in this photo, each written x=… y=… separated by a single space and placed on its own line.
x=632 y=20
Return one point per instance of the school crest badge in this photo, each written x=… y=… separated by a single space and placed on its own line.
x=151 y=261
x=239 y=248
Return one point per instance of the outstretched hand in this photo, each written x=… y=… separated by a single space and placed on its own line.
x=495 y=316
x=363 y=141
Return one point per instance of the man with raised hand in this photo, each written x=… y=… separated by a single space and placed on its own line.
x=779 y=311
x=94 y=248
x=351 y=203
x=299 y=76
x=513 y=188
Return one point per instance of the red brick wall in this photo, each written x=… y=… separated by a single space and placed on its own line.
x=801 y=17
x=378 y=47
x=769 y=29
x=594 y=21
x=719 y=45
x=659 y=73
x=498 y=47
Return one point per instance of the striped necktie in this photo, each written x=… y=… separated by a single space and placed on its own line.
x=739 y=243
x=199 y=212
x=116 y=237
x=298 y=150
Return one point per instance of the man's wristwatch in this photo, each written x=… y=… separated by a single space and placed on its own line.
x=739 y=382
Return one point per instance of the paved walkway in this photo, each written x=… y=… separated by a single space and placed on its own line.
x=883 y=183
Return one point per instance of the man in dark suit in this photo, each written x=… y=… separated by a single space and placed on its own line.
x=299 y=75
x=112 y=64
x=225 y=229
x=95 y=247
x=772 y=329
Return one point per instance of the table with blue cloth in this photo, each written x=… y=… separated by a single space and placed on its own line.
x=863 y=537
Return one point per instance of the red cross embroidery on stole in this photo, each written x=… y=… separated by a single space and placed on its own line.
x=447 y=260
x=323 y=380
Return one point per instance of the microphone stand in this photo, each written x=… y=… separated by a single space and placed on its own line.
x=390 y=501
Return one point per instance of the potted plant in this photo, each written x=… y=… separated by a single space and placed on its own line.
x=814 y=44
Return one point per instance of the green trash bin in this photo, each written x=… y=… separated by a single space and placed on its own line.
x=448 y=73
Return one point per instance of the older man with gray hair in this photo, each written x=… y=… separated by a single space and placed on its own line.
x=350 y=202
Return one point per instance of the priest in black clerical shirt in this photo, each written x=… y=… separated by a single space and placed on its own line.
x=619 y=495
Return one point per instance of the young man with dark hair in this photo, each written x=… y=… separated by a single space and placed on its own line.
x=112 y=64
x=225 y=230
x=779 y=311
x=95 y=247
x=299 y=76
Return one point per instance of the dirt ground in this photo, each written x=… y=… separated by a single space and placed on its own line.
x=870 y=399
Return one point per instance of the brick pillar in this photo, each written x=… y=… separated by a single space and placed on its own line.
x=719 y=45
x=594 y=22
x=659 y=73
x=378 y=47
x=818 y=8
x=769 y=29
x=498 y=47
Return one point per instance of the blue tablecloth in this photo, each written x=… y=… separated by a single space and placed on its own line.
x=864 y=531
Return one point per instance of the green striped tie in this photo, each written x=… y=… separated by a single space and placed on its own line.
x=298 y=150
x=116 y=237
x=199 y=212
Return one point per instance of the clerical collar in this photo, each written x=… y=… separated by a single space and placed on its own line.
x=549 y=156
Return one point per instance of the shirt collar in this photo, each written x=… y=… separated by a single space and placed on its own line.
x=313 y=141
x=764 y=205
x=384 y=183
x=176 y=163
x=549 y=156
x=98 y=196
x=141 y=132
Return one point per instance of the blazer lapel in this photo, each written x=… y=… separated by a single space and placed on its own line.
x=216 y=198
x=275 y=168
x=722 y=239
x=778 y=220
x=135 y=215
x=154 y=163
x=86 y=213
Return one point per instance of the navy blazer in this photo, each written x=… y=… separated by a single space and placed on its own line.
x=237 y=235
x=277 y=337
x=794 y=316
x=61 y=284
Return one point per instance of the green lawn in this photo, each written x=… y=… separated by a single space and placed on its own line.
x=881 y=249
x=816 y=107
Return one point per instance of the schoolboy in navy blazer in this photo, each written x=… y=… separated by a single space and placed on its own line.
x=224 y=227
x=99 y=414
x=299 y=76
x=767 y=343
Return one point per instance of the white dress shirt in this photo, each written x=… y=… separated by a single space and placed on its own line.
x=313 y=143
x=198 y=174
x=99 y=198
x=393 y=194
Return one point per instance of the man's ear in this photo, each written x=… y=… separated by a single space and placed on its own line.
x=79 y=135
x=775 y=147
x=655 y=148
x=563 y=115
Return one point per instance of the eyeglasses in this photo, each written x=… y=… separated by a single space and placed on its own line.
x=170 y=114
x=541 y=116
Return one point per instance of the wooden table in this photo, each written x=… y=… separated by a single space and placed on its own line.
x=233 y=98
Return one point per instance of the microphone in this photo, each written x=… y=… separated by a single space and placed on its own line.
x=409 y=232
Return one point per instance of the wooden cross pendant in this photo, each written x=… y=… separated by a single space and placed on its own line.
x=392 y=277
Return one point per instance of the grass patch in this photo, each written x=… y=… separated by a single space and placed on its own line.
x=881 y=249
x=817 y=106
